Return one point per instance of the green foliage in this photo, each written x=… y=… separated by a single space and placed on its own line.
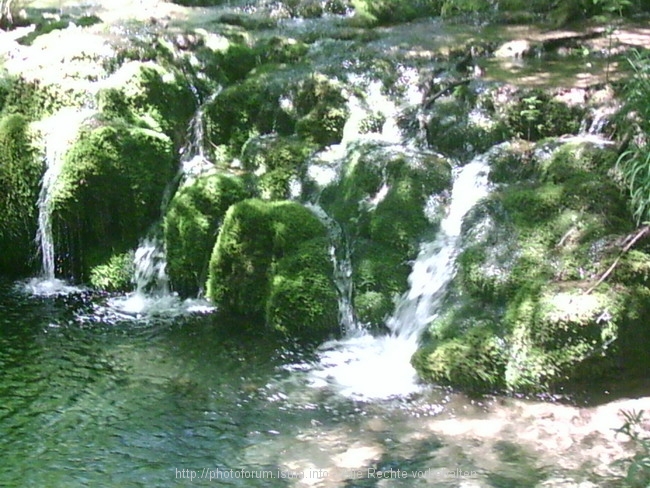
x=20 y=173
x=108 y=193
x=634 y=163
x=638 y=467
x=191 y=226
x=385 y=12
x=116 y=275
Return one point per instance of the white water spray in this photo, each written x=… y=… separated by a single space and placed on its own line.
x=366 y=367
x=59 y=132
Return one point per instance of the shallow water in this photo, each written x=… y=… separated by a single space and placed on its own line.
x=87 y=399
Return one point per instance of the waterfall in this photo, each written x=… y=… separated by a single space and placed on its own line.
x=342 y=264
x=58 y=133
x=365 y=366
x=194 y=160
x=150 y=268
x=152 y=296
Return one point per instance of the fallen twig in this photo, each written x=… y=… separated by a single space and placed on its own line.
x=643 y=231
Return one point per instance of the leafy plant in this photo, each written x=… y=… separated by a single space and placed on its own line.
x=638 y=466
x=634 y=163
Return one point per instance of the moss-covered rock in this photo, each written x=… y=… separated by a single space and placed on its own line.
x=262 y=262
x=458 y=125
x=278 y=162
x=116 y=275
x=20 y=174
x=108 y=193
x=302 y=299
x=37 y=99
x=530 y=253
x=148 y=95
x=322 y=108
x=191 y=225
x=380 y=275
x=247 y=110
x=535 y=114
x=385 y=202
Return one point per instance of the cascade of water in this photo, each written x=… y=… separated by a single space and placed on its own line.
x=193 y=155
x=152 y=294
x=365 y=366
x=59 y=132
x=435 y=265
x=342 y=263
x=150 y=268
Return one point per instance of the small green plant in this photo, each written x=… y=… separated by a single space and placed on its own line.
x=531 y=113
x=634 y=163
x=638 y=466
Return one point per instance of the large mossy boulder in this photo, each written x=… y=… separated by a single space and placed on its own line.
x=20 y=174
x=108 y=193
x=386 y=201
x=302 y=299
x=279 y=163
x=522 y=314
x=276 y=101
x=248 y=109
x=268 y=256
x=147 y=95
x=322 y=107
x=191 y=226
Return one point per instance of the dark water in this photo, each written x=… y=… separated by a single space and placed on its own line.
x=87 y=400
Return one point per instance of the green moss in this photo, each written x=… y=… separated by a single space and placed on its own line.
x=559 y=335
x=254 y=237
x=473 y=362
x=380 y=275
x=532 y=250
x=116 y=275
x=277 y=161
x=514 y=164
x=536 y=115
x=323 y=110
x=379 y=201
x=20 y=173
x=149 y=95
x=246 y=110
x=191 y=226
x=457 y=128
x=302 y=298
x=43 y=27
x=36 y=100
x=108 y=193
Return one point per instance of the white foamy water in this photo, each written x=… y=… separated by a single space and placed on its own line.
x=58 y=133
x=374 y=367
x=152 y=297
